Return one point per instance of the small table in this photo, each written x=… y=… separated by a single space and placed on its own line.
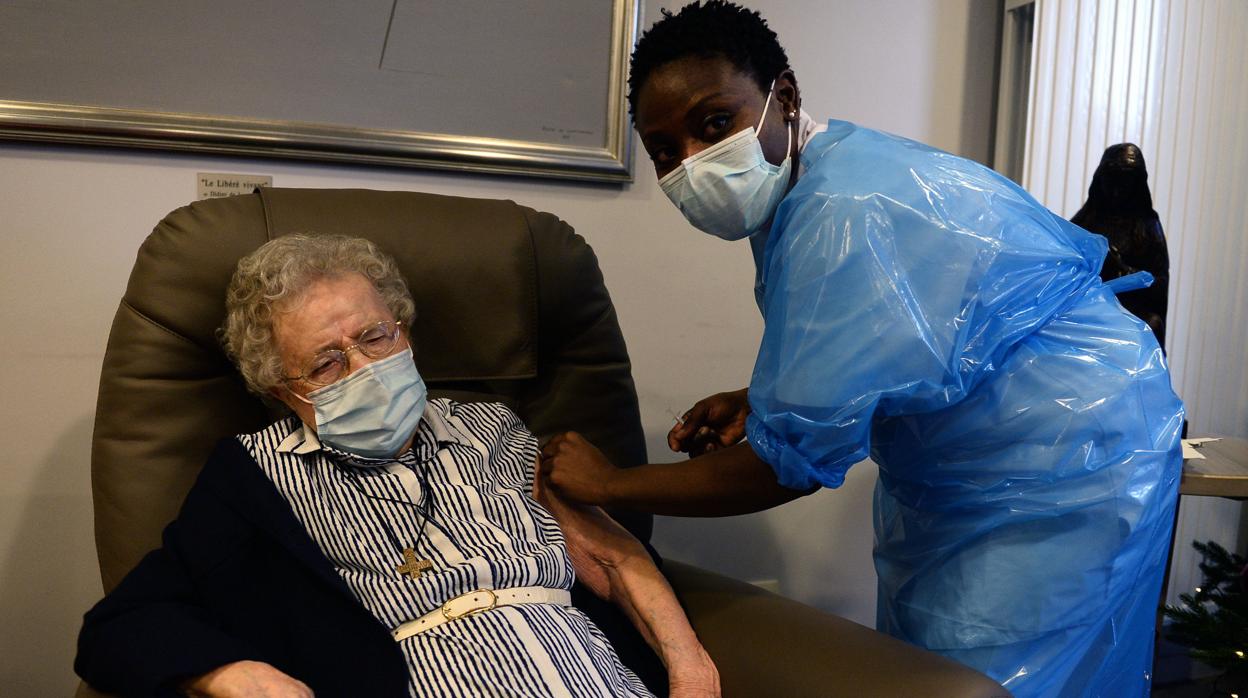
x=1223 y=472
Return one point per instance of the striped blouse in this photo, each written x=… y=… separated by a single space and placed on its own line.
x=485 y=532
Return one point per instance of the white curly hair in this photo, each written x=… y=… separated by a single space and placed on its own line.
x=276 y=274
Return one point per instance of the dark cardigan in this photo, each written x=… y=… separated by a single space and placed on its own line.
x=237 y=578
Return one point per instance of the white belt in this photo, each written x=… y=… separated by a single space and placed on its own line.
x=479 y=601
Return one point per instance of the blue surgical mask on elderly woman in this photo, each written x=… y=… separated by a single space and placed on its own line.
x=373 y=411
x=730 y=190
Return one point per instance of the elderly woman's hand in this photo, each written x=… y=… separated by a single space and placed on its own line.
x=694 y=675
x=577 y=470
x=246 y=679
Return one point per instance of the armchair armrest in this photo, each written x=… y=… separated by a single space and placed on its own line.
x=764 y=644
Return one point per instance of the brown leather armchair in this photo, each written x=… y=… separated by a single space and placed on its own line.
x=511 y=307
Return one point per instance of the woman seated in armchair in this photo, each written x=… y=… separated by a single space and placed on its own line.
x=375 y=542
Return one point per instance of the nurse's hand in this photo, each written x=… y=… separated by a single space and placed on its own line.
x=577 y=470
x=713 y=423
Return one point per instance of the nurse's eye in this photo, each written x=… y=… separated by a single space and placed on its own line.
x=716 y=126
x=662 y=156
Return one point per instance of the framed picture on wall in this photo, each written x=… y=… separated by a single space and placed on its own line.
x=529 y=88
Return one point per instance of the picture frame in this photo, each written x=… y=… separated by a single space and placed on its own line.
x=533 y=88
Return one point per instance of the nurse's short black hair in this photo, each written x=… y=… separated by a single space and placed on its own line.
x=707 y=29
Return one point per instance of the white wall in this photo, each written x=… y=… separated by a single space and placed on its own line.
x=71 y=220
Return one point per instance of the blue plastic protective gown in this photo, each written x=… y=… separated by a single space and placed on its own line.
x=927 y=312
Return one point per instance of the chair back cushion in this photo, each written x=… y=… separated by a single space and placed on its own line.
x=510 y=307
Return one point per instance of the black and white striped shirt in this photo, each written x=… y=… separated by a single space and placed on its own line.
x=485 y=532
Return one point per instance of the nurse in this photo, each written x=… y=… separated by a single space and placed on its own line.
x=926 y=312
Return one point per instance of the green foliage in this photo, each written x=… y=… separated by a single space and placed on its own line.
x=1213 y=622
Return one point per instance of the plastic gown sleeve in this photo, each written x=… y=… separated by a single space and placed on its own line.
x=890 y=288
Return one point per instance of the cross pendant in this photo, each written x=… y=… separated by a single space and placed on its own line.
x=411 y=566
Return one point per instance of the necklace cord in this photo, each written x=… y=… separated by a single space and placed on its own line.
x=422 y=477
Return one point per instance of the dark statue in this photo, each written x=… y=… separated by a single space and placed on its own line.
x=1120 y=207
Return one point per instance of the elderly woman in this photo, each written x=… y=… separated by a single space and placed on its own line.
x=375 y=542
x=924 y=311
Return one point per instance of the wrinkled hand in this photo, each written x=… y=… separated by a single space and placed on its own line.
x=577 y=470
x=712 y=423
x=247 y=679
x=694 y=677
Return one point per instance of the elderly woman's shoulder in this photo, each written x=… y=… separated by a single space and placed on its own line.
x=283 y=431
x=479 y=414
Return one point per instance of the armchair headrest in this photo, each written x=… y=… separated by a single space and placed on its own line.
x=469 y=264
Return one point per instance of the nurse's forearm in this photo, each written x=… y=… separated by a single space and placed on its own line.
x=722 y=483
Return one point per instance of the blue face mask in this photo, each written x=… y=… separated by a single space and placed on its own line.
x=373 y=411
x=730 y=190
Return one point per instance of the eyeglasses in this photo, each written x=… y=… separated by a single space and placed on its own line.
x=376 y=342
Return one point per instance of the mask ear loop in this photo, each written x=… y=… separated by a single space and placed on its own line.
x=788 y=130
x=770 y=90
x=788 y=143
